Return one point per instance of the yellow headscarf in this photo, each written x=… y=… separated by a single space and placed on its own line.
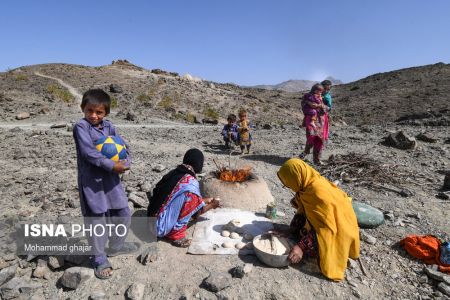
x=329 y=211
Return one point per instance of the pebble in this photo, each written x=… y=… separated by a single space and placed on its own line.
x=159 y=168
x=368 y=238
x=136 y=291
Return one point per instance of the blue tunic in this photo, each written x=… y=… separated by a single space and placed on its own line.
x=326 y=98
x=99 y=187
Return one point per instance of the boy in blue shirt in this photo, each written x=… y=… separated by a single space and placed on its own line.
x=230 y=131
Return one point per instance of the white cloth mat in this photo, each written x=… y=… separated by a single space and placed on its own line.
x=207 y=238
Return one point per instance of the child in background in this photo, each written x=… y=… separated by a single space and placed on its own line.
x=230 y=131
x=102 y=196
x=326 y=94
x=245 y=137
x=315 y=122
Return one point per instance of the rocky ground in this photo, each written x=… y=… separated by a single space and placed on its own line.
x=40 y=182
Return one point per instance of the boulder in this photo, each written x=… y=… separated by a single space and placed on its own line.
x=367 y=216
x=426 y=137
x=7 y=274
x=137 y=200
x=42 y=270
x=217 y=281
x=400 y=140
x=444 y=288
x=130 y=116
x=56 y=262
x=115 y=88
x=17 y=286
x=75 y=276
x=210 y=121
x=23 y=115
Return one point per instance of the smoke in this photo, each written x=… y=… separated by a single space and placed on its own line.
x=319 y=75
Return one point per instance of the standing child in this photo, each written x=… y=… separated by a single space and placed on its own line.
x=230 y=131
x=245 y=137
x=326 y=94
x=315 y=122
x=102 y=195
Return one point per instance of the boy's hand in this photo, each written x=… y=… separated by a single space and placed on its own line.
x=120 y=167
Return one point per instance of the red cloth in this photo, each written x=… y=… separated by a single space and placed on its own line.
x=425 y=248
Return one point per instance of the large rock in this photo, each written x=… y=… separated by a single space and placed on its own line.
x=217 y=281
x=23 y=115
x=367 y=216
x=137 y=200
x=42 y=270
x=17 y=286
x=210 y=121
x=436 y=275
x=56 y=262
x=115 y=88
x=252 y=195
x=130 y=116
x=444 y=288
x=426 y=137
x=446 y=185
x=75 y=276
x=7 y=274
x=135 y=291
x=400 y=140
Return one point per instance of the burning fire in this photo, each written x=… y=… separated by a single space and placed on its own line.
x=236 y=175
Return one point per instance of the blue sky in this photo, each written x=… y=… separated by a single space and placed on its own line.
x=246 y=42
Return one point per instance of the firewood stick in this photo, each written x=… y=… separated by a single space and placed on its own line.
x=363 y=269
x=217 y=166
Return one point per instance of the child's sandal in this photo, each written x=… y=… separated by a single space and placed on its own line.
x=100 y=268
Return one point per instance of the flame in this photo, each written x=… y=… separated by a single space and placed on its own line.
x=238 y=175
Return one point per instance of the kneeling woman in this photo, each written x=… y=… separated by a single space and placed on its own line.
x=325 y=220
x=176 y=199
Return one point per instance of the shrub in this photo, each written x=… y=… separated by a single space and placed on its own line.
x=211 y=113
x=21 y=77
x=354 y=88
x=190 y=118
x=143 y=98
x=60 y=93
x=114 y=102
x=166 y=102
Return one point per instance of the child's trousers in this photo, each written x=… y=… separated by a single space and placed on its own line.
x=114 y=217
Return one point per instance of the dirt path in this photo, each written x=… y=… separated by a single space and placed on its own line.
x=47 y=125
x=71 y=89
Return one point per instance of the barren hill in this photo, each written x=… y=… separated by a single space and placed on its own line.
x=139 y=94
x=294 y=85
x=419 y=93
